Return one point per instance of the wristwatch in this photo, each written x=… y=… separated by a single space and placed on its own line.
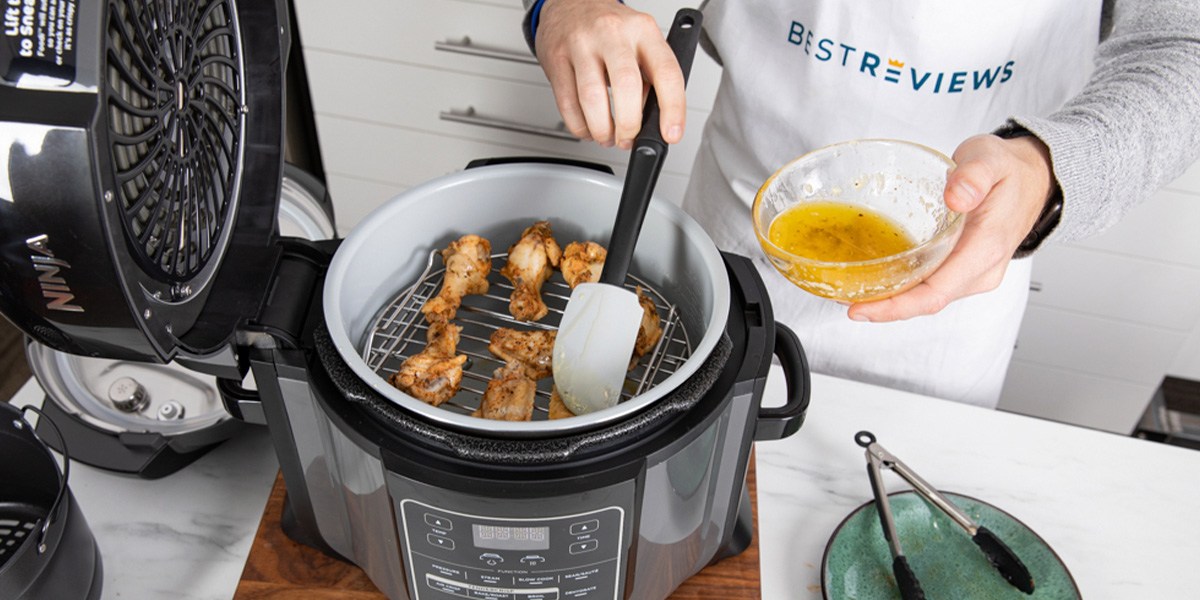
x=1051 y=212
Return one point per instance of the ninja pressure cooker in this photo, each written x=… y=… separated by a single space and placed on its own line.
x=138 y=222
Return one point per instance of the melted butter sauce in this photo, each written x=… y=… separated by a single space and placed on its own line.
x=836 y=232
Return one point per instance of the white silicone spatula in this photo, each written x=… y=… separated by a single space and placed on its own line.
x=600 y=324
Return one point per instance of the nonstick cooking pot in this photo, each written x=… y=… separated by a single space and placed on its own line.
x=369 y=277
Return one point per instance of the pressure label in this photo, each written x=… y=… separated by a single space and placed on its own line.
x=38 y=41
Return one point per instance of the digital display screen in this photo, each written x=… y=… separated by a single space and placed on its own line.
x=503 y=537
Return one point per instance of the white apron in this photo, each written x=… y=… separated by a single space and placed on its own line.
x=801 y=74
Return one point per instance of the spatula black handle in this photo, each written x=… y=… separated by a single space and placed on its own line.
x=683 y=37
x=646 y=159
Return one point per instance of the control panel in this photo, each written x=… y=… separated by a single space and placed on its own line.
x=453 y=555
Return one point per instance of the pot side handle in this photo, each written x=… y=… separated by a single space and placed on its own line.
x=551 y=160
x=776 y=423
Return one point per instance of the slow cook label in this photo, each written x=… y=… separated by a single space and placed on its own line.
x=38 y=41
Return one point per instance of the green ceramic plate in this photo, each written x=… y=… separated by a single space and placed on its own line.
x=858 y=566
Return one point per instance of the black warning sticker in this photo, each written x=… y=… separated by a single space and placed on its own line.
x=38 y=40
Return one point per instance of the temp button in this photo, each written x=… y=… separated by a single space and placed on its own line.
x=585 y=527
x=581 y=547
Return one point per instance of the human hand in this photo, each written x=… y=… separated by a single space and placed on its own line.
x=1002 y=186
x=587 y=46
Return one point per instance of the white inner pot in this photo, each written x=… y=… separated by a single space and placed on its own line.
x=389 y=250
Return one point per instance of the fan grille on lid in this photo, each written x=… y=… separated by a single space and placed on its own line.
x=175 y=86
x=398 y=332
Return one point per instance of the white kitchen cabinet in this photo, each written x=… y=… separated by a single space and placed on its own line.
x=1109 y=316
x=401 y=159
x=391 y=81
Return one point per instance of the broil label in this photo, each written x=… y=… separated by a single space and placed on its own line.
x=38 y=41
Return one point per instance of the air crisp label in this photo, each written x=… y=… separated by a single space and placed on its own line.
x=38 y=40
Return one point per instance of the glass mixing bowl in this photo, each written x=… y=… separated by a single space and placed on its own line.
x=900 y=181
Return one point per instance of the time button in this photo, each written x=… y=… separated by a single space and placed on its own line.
x=439 y=522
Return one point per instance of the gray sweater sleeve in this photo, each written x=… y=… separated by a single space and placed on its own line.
x=1136 y=124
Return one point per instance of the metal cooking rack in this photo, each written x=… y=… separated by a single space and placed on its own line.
x=399 y=329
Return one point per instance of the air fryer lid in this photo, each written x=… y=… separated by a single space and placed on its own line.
x=133 y=396
x=124 y=188
x=389 y=250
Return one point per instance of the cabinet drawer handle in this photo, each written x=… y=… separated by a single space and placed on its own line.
x=464 y=46
x=471 y=118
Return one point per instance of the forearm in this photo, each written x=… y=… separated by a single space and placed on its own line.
x=1136 y=125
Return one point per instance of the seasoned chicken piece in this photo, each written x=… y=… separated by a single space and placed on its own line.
x=509 y=395
x=441 y=339
x=530 y=262
x=558 y=410
x=582 y=262
x=468 y=262
x=434 y=374
x=530 y=348
x=650 y=329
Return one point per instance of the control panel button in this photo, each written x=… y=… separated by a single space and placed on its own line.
x=487 y=578
x=440 y=542
x=585 y=527
x=491 y=558
x=581 y=547
x=537 y=581
x=582 y=575
x=446 y=586
x=536 y=595
x=487 y=594
x=532 y=560
x=439 y=521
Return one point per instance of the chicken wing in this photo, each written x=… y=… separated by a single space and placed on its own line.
x=530 y=263
x=582 y=262
x=468 y=262
x=509 y=395
x=434 y=374
x=650 y=329
x=558 y=409
x=530 y=348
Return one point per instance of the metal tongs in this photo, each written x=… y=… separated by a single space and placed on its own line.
x=996 y=551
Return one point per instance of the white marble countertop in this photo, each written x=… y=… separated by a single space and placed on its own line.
x=1120 y=512
x=185 y=536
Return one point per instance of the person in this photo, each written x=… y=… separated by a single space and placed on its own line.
x=1092 y=106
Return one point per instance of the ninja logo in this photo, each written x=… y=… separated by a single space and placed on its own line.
x=54 y=286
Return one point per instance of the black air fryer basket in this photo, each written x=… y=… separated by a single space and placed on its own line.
x=46 y=547
x=137 y=155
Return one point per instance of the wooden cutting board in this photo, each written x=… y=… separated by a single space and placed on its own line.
x=280 y=569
